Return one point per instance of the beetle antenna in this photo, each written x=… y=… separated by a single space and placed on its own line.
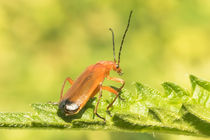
x=110 y=29
x=124 y=36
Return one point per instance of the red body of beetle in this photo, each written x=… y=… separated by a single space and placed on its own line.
x=89 y=83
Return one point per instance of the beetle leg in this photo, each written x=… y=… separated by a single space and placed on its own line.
x=119 y=89
x=70 y=82
x=110 y=89
x=117 y=80
x=96 y=108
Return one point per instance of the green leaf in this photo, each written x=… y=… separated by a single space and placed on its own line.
x=15 y=120
x=199 y=103
x=176 y=111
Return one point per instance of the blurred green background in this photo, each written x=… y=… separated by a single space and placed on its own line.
x=43 y=42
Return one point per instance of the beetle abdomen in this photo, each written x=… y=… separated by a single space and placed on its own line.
x=68 y=107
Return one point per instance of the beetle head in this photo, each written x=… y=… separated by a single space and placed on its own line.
x=117 y=68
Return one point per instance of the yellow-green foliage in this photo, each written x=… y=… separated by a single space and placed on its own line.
x=44 y=41
x=175 y=111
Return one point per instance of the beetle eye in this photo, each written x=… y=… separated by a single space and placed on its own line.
x=117 y=66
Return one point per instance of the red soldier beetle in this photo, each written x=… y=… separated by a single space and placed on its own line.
x=89 y=83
